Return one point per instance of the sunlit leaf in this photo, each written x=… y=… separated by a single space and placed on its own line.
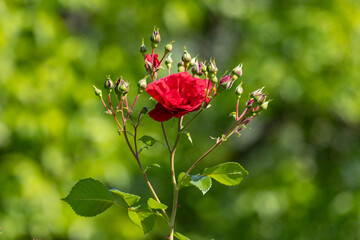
x=152 y=203
x=230 y=173
x=201 y=182
x=147 y=140
x=124 y=199
x=89 y=197
x=142 y=217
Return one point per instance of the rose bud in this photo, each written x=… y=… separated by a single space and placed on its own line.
x=98 y=92
x=239 y=91
x=213 y=79
x=168 y=47
x=212 y=67
x=181 y=66
x=142 y=85
x=237 y=70
x=186 y=57
x=225 y=83
x=197 y=69
x=143 y=48
x=256 y=93
x=168 y=61
x=155 y=38
x=260 y=98
x=108 y=84
x=264 y=105
x=250 y=102
x=256 y=109
x=122 y=87
x=204 y=68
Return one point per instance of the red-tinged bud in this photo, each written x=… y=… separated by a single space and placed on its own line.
x=256 y=109
x=122 y=87
x=260 y=98
x=143 y=48
x=169 y=47
x=197 y=69
x=212 y=67
x=142 y=85
x=250 y=102
x=168 y=61
x=238 y=70
x=98 y=92
x=257 y=92
x=181 y=66
x=264 y=105
x=186 y=57
x=155 y=38
x=108 y=84
x=239 y=91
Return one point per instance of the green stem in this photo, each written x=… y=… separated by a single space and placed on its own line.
x=175 y=186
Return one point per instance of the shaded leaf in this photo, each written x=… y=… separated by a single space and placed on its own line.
x=89 y=197
x=142 y=217
x=152 y=203
x=183 y=182
x=147 y=140
x=230 y=173
x=124 y=199
x=180 y=236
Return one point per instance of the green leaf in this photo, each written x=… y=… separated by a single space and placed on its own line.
x=153 y=204
x=89 y=198
x=147 y=140
x=201 y=182
x=183 y=182
x=189 y=137
x=142 y=217
x=152 y=166
x=124 y=199
x=230 y=173
x=180 y=236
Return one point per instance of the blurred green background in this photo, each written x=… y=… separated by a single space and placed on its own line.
x=302 y=154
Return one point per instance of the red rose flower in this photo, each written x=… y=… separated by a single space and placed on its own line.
x=156 y=63
x=177 y=95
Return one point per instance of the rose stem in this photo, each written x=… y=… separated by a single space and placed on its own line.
x=136 y=155
x=175 y=186
x=231 y=131
x=165 y=136
x=132 y=105
x=237 y=108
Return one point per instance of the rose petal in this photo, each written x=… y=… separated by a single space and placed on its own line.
x=160 y=113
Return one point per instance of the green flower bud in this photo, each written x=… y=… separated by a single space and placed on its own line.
x=108 y=84
x=155 y=38
x=143 y=48
x=213 y=79
x=191 y=63
x=98 y=92
x=204 y=68
x=239 y=91
x=122 y=87
x=142 y=85
x=212 y=67
x=181 y=66
x=264 y=105
x=186 y=57
x=260 y=98
x=169 y=47
x=168 y=61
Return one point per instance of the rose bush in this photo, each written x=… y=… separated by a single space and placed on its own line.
x=177 y=95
